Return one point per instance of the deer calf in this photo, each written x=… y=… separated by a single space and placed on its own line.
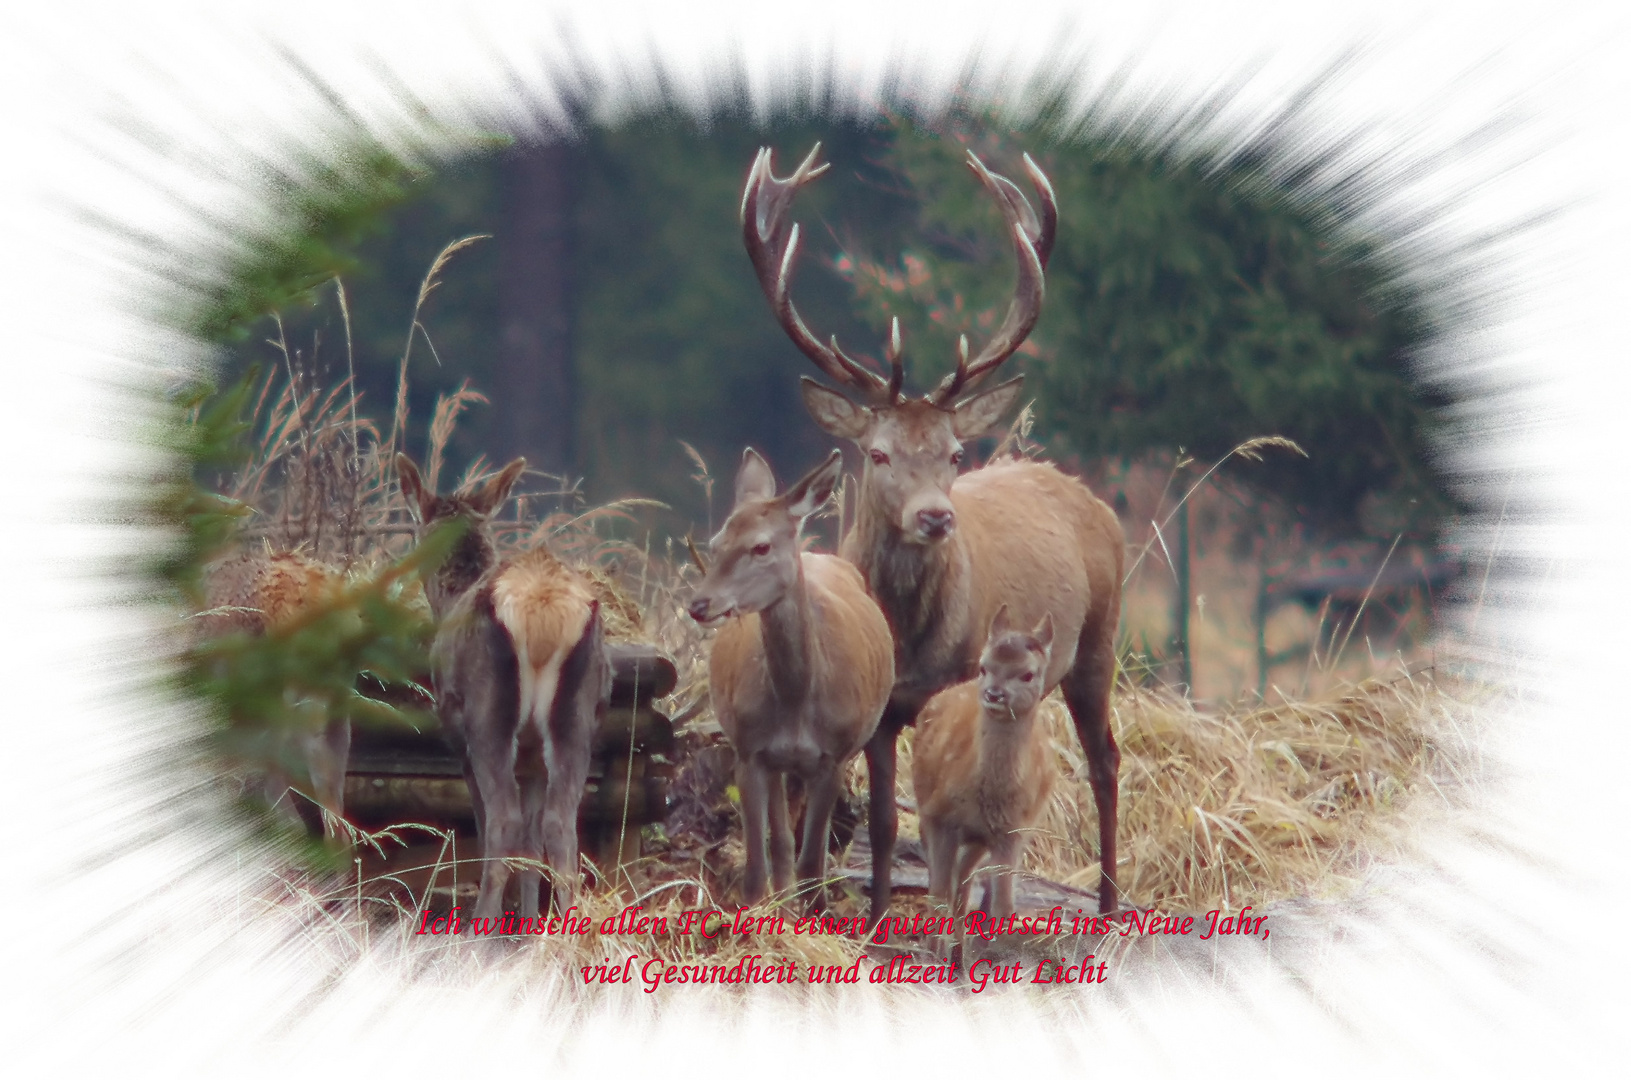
x=256 y=593
x=980 y=765
x=799 y=677
x=521 y=680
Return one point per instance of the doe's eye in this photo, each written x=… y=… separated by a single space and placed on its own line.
x=878 y=457
x=957 y=458
x=1028 y=676
x=761 y=550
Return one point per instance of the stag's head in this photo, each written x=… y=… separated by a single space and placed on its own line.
x=756 y=552
x=912 y=445
x=1014 y=666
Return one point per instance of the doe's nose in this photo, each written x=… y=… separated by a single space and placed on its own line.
x=699 y=610
x=935 y=522
x=995 y=695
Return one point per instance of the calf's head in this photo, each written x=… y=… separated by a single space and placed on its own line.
x=1014 y=666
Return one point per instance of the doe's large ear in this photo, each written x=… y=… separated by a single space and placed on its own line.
x=490 y=494
x=815 y=488
x=754 y=480
x=414 y=492
x=977 y=415
x=833 y=412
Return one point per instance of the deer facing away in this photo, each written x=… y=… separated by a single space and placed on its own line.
x=942 y=552
x=521 y=679
x=980 y=765
x=799 y=678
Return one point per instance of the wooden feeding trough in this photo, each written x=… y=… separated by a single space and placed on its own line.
x=396 y=777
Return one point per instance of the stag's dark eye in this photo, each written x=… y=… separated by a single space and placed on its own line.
x=957 y=458
x=878 y=457
x=761 y=550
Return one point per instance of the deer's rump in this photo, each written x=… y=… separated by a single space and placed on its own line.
x=545 y=608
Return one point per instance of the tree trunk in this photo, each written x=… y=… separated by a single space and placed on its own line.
x=535 y=386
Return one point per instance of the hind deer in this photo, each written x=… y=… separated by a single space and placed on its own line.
x=258 y=593
x=798 y=675
x=521 y=680
x=939 y=551
x=980 y=766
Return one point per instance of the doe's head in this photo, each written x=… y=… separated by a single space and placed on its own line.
x=474 y=504
x=756 y=552
x=1014 y=666
x=475 y=501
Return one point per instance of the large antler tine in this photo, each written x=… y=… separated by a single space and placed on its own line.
x=1050 y=211
x=1010 y=200
x=1026 y=306
x=808 y=170
x=772 y=242
x=892 y=352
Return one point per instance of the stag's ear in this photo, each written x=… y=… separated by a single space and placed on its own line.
x=491 y=493
x=999 y=623
x=810 y=493
x=414 y=492
x=977 y=415
x=754 y=480
x=833 y=412
x=1044 y=634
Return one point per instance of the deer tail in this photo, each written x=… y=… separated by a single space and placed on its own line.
x=546 y=612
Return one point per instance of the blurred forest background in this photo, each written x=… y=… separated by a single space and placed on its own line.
x=1209 y=287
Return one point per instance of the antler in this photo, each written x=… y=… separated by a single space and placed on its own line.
x=772 y=242
x=1033 y=243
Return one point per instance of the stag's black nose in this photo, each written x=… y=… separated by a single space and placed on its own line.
x=699 y=610
x=934 y=523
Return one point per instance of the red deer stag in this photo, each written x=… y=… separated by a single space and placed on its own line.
x=800 y=677
x=259 y=593
x=941 y=552
x=981 y=768
x=521 y=680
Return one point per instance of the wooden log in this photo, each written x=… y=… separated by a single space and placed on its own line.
x=399 y=775
x=444 y=802
x=640 y=673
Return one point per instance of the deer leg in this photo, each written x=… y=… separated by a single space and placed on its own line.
x=781 y=834
x=560 y=821
x=820 y=796
x=502 y=828
x=881 y=822
x=753 y=782
x=326 y=754
x=968 y=860
x=532 y=785
x=1087 y=693
x=940 y=850
x=585 y=684
x=1005 y=852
